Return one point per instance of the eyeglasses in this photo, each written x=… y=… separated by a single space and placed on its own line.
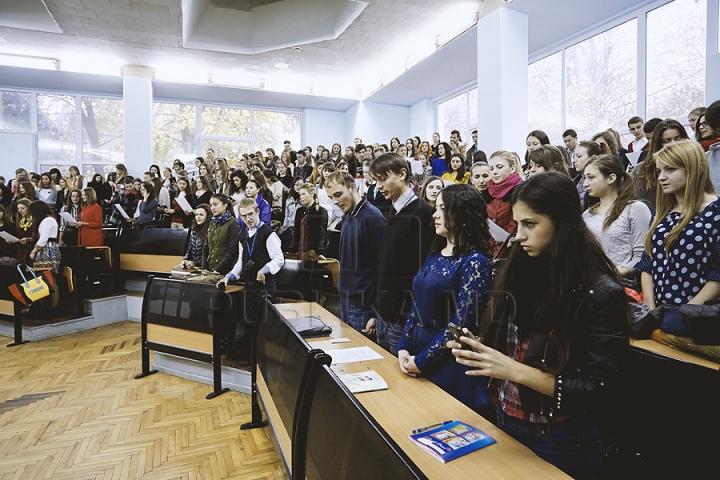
x=704 y=124
x=247 y=216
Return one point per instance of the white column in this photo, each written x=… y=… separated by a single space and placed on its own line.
x=138 y=101
x=502 y=81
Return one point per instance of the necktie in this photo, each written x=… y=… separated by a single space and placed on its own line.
x=392 y=211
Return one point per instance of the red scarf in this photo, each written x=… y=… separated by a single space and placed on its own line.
x=499 y=191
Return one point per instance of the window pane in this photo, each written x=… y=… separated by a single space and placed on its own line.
x=64 y=169
x=227 y=149
x=473 y=108
x=15 y=113
x=56 y=128
x=545 y=97
x=453 y=115
x=103 y=134
x=602 y=80
x=173 y=133
x=273 y=128
x=90 y=169
x=675 y=58
x=226 y=122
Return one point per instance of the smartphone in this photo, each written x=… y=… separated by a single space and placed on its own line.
x=457 y=332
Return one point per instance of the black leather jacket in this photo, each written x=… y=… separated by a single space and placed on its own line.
x=599 y=349
x=316 y=229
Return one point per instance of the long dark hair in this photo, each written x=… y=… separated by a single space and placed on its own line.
x=201 y=230
x=465 y=219
x=39 y=211
x=460 y=173
x=574 y=258
x=624 y=186
x=243 y=178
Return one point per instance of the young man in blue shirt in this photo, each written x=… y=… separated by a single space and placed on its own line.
x=360 y=239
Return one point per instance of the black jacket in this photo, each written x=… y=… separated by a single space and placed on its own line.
x=317 y=229
x=599 y=349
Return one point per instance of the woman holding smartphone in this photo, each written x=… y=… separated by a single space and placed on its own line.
x=558 y=346
x=450 y=289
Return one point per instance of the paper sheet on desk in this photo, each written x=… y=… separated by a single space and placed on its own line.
x=351 y=355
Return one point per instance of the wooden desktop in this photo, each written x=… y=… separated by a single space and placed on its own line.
x=410 y=403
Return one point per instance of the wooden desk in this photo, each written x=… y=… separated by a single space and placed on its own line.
x=673 y=353
x=411 y=403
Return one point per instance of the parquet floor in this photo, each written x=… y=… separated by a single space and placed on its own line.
x=71 y=409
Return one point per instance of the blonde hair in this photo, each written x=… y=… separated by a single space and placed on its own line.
x=689 y=156
x=511 y=159
x=310 y=188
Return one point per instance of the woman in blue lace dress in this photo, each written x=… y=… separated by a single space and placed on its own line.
x=450 y=288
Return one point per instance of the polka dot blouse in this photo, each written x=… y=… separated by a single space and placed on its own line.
x=693 y=260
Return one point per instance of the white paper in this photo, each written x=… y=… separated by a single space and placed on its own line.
x=633 y=157
x=122 y=211
x=352 y=355
x=182 y=201
x=368 y=381
x=497 y=233
x=8 y=238
x=416 y=165
x=68 y=218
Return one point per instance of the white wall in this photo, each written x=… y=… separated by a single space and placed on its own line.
x=376 y=122
x=19 y=150
x=712 y=74
x=423 y=119
x=324 y=127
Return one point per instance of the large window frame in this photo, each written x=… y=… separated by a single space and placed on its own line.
x=640 y=13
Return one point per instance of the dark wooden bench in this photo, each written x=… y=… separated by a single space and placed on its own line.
x=152 y=250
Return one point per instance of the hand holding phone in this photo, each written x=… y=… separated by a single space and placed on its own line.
x=457 y=332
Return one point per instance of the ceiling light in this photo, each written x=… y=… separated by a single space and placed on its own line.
x=27 y=61
x=282 y=65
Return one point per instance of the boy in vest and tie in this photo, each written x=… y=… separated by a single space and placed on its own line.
x=260 y=259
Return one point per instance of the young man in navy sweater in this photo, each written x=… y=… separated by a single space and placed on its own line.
x=405 y=244
x=360 y=239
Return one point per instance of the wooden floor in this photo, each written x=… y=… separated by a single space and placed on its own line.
x=71 y=409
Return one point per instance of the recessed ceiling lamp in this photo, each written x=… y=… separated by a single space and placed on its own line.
x=282 y=65
x=28 y=61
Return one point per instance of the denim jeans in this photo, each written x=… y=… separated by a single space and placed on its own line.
x=573 y=445
x=388 y=335
x=354 y=314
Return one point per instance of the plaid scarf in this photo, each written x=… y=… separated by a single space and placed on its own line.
x=219 y=221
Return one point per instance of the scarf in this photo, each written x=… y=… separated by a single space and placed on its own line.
x=220 y=221
x=499 y=191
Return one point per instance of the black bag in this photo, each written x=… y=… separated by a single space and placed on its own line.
x=310 y=326
x=699 y=322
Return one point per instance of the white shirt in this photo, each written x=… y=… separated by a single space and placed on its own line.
x=404 y=199
x=639 y=144
x=273 y=245
x=47 y=229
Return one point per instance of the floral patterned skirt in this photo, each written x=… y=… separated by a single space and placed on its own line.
x=48 y=257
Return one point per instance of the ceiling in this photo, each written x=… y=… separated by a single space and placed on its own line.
x=389 y=53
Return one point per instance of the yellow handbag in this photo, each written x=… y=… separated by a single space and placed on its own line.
x=32 y=290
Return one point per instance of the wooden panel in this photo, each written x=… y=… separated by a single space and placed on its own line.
x=409 y=403
x=282 y=436
x=200 y=342
x=672 y=352
x=6 y=307
x=139 y=262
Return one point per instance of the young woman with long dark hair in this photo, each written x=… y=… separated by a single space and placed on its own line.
x=91 y=220
x=559 y=356
x=619 y=221
x=456 y=272
x=457 y=172
x=196 y=255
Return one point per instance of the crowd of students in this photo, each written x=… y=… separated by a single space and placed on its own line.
x=589 y=218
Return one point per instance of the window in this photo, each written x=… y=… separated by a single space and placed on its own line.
x=230 y=150
x=545 y=96
x=226 y=122
x=458 y=113
x=676 y=58
x=103 y=134
x=15 y=111
x=271 y=129
x=56 y=128
x=173 y=133
x=601 y=80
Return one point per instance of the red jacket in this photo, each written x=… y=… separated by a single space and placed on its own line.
x=499 y=211
x=92 y=235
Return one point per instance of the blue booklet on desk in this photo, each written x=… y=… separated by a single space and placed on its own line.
x=451 y=439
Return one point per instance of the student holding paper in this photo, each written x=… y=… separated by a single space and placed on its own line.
x=504 y=178
x=91 y=220
x=69 y=230
x=181 y=211
x=6 y=249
